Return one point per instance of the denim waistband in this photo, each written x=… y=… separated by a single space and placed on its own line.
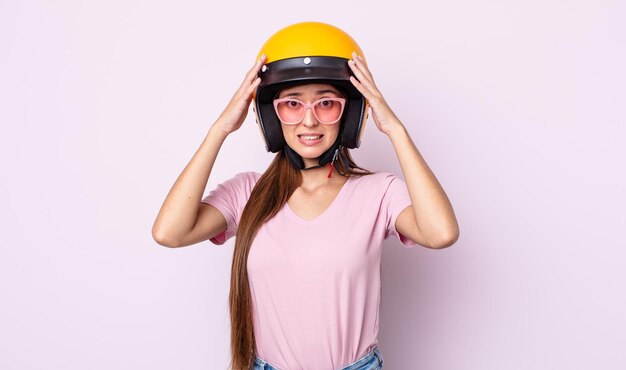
x=356 y=365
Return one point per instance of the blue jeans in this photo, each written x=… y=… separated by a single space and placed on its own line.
x=371 y=361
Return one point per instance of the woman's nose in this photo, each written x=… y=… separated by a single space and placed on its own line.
x=309 y=119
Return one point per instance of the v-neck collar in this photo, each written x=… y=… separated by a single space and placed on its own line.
x=328 y=209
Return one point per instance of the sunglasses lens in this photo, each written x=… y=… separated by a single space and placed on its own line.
x=290 y=111
x=328 y=111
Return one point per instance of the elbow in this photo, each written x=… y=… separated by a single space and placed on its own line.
x=163 y=238
x=445 y=240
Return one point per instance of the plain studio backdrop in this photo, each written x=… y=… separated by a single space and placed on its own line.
x=517 y=106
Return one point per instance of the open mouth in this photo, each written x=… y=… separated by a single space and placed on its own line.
x=310 y=137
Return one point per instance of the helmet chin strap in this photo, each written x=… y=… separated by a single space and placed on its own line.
x=330 y=155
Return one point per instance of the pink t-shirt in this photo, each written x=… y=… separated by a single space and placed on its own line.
x=316 y=284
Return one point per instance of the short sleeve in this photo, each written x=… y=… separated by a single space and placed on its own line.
x=230 y=198
x=395 y=200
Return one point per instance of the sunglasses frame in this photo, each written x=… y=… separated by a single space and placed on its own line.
x=309 y=106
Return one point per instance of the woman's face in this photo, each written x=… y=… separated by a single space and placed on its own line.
x=310 y=138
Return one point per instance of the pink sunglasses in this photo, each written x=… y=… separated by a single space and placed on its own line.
x=327 y=111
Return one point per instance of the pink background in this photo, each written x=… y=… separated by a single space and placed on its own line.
x=518 y=107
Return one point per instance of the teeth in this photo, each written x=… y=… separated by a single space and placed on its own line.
x=305 y=137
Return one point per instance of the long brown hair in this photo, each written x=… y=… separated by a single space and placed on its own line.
x=269 y=195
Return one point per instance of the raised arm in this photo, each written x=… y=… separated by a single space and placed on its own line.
x=430 y=221
x=183 y=220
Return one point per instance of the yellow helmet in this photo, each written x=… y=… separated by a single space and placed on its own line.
x=309 y=39
x=309 y=52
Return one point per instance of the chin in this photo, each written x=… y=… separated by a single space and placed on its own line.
x=308 y=153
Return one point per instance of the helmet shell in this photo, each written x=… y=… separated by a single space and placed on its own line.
x=309 y=52
x=309 y=39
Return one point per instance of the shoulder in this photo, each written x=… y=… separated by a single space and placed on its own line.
x=240 y=183
x=247 y=177
x=244 y=178
x=378 y=180
x=379 y=185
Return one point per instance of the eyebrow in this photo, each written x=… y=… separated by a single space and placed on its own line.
x=318 y=92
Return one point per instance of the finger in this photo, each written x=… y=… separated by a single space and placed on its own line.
x=360 y=62
x=360 y=67
x=366 y=93
x=355 y=69
x=253 y=73
x=363 y=79
x=253 y=86
x=257 y=66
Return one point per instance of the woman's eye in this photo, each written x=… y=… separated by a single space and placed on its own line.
x=326 y=103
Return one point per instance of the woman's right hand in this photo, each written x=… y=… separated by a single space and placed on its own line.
x=237 y=109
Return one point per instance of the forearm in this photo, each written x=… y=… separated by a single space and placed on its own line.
x=179 y=211
x=433 y=212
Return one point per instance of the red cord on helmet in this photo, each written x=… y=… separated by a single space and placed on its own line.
x=330 y=173
x=332 y=162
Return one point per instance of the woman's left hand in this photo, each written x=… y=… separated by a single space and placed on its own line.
x=384 y=118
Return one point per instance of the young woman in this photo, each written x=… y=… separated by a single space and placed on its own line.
x=305 y=279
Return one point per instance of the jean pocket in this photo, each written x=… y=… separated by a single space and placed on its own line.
x=380 y=358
